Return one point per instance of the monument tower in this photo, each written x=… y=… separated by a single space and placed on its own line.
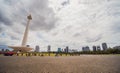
x=23 y=47
x=24 y=41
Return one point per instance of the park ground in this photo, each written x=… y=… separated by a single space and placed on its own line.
x=60 y=64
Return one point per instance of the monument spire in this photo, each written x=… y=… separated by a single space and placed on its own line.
x=24 y=41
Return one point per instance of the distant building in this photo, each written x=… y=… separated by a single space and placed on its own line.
x=62 y=50
x=2 y=50
x=116 y=47
x=104 y=46
x=37 y=49
x=59 y=50
x=67 y=49
x=94 y=48
x=74 y=50
x=86 y=48
x=83 y=48
x=98 y=48
x=4 y=47
x=49 y=48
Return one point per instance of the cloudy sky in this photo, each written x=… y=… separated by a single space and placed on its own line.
x=60 y=23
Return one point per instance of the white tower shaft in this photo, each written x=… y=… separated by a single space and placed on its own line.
x=24 y=41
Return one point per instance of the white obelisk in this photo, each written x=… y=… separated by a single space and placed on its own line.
x=24 y=41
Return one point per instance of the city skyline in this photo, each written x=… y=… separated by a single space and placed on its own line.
x=61 y=23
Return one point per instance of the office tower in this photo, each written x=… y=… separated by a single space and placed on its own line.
x=62 y=50
x=67 y=49
x=49 y=48
x=37 y=48
x=104 y=46
x=83 y=48
x=86 y=48
x=94 y=48
x=98 y=48
x=59 y=50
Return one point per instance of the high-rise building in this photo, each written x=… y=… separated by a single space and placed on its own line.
x=67 y=49
x=37 y=48
x=94 y=48
x=83 y=48
x=86 y=48
x=98 y=48
x=62 y=50
x=49 y=48
x=59 y=50
x=104 y=46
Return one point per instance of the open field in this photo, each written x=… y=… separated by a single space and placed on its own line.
x=62 y=64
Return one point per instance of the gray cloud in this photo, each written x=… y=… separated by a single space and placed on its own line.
x=4 y=19
x=93 y=39
x=13 y=16
x=116 y=27
x=43 y=23
x=65 y=3
x=1 y=29
x=77 y=34
x=43 y=16
x=15 y=38
x=86 y=22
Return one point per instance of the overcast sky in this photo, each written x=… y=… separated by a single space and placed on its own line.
x=60 y=23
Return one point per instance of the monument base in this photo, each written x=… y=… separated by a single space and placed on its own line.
x=20 y=48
